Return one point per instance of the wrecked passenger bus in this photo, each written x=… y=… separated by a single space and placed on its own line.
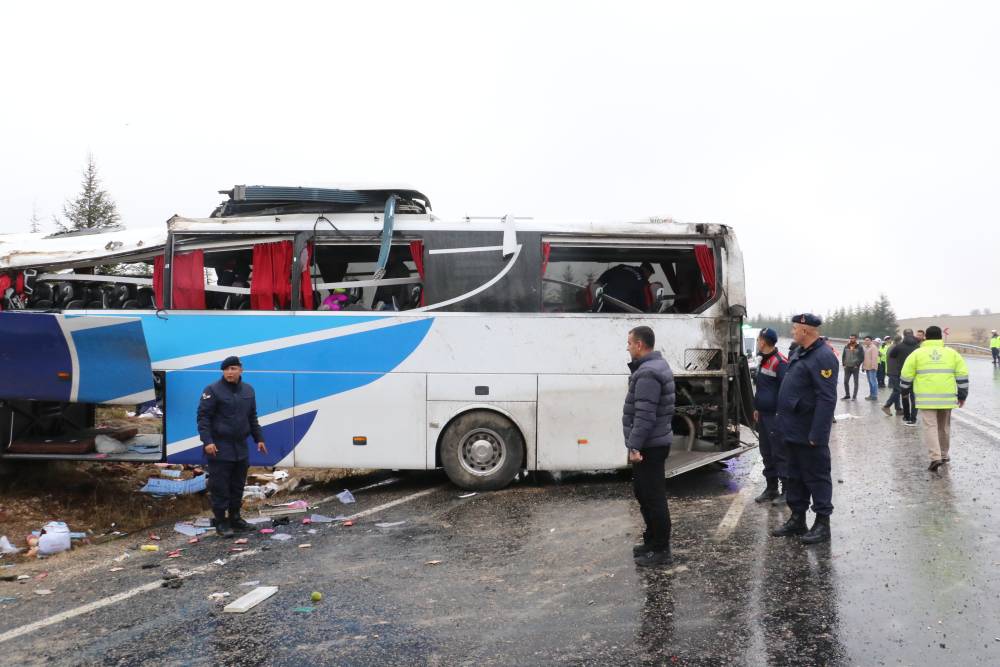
x=376 y=334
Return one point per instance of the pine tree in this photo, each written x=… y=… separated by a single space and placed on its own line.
x=36 y=221
x=93 y=207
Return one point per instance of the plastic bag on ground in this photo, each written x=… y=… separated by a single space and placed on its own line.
x=188 y=529
x=345 y=497
x=107 y=445
x=6 y=547
x=319 y=518
x=54 y=538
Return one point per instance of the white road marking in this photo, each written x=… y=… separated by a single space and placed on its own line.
x=153 y=585
x=965 y=421
x=962 y=412
x=732 y=517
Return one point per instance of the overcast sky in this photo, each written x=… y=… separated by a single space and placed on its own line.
x=854 y=147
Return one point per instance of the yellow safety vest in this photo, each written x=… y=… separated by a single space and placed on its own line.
x=995 y=341
x=936 y=374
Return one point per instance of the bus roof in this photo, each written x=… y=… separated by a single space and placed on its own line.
x=40 y=250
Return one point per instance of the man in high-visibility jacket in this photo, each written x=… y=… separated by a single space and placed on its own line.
x=995 y=347
x=939 y=379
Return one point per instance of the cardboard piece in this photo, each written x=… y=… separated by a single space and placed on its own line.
x=250 y=600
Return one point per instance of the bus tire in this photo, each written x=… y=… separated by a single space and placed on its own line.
x=482 y=451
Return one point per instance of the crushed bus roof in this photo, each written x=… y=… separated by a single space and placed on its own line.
x=41 y=251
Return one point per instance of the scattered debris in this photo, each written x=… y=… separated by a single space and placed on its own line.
x=6 y=547
x=172 y=583
x=242 y=540
x=319 y=518
x=219 y=561
x=124 y=557
x=234 y=550
x=305 y=546
x=7 y=599
x=250 y=583
x=346 y=497
x=468 y=495
x=303 y=610
x=149 y=547
x=116 y=569
x=193 y=540
x=391 y=524
x=185 y=528
x=312 y=531
x=266 y=531
x=434 y=562
x=148 y=566
x=281 y=537
x=250 y=600
x=218 y=596
x=53 y=539
x=347 y=523
x=203 y=522
x=154 y=537
x=43 y=591
x=175 y=487
x=257 y=520
x=282 y=512
x=176 y=553
x=316 y=596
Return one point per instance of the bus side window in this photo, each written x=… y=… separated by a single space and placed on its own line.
x=347 y=263
x=616 y=279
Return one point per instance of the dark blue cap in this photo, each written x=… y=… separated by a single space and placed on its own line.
x=770 y=335
x=231 y=361
x=808 y=319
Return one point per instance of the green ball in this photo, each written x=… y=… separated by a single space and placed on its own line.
x=316 y=596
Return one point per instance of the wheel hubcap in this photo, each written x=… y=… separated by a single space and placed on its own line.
x=482 y=452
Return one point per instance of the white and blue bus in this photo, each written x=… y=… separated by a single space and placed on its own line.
x=375 y=334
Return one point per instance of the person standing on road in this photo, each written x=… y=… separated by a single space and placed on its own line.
x=995 y=347
x=897 y=357
x=883 y=352
x=806 y=403
x=870 y=367
x=227 y=415
x=770 y=373
x=939 y=379
x=646 y=421
x=851 y=357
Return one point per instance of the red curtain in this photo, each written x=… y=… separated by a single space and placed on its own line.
x=417 y=253
x=158 y=281
x=187 y=276
x=271 y=283
x=706 y=262
x=546 y=251
x=306 y=288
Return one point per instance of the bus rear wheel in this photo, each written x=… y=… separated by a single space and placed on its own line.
x=482 y=451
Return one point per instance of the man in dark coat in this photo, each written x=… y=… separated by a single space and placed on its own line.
x=227 y=416
x=806 y=403
x=770 y=373
x=646 y=421
x=627 y=284
x=895 y=360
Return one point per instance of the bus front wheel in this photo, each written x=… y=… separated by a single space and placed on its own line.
x=482 y=451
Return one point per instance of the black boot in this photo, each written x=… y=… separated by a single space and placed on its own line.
x=237 y=522
x=769 y=493
x=796 y=525
x=820 y=531
x=222 y=528
x=780 y=498
x=655 y=558
x=641 y=549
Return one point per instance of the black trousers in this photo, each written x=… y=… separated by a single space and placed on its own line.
x=650 y=485
x=809 y=477
x=772 y=447
x=226 y=480
x=895 y=395
x=848 y=374
x=880 y=374
x=995 y=351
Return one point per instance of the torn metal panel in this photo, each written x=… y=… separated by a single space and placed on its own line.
x=38 y=251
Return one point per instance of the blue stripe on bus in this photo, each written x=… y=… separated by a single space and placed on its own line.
x=331 y=366
x=113 y=362
x=376 y=351
x=34 y=350
x=184 y=335
x=280 y=437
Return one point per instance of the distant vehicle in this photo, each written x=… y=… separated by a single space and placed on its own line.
x=750 y=348
x=376 y=334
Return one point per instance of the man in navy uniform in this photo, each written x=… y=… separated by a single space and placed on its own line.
x=770 y=373
x=806 y=402
x=227 y=415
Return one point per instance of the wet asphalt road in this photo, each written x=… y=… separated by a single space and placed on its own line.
x=541 y=573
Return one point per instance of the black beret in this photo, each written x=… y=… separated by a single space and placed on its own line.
x=231 y=361
x=808 y=319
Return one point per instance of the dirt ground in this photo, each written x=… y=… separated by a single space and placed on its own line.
x=102 y=499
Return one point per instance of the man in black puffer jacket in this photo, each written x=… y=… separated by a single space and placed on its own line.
x=646 y=418
x=894 y=363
